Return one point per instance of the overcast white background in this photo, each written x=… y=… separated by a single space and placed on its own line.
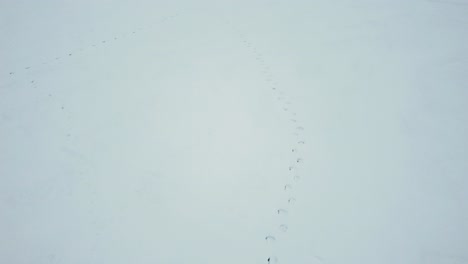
x=149 y=132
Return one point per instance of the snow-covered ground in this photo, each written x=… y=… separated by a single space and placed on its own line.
x=189 y=132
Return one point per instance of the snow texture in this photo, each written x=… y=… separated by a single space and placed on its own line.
x=260 y=131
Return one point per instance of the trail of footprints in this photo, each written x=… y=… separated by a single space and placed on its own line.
x=24 y=72
x=297 y=161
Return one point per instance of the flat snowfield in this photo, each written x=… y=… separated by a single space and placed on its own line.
x=234 y=132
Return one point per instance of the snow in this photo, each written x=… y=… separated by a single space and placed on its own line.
x=162 y=132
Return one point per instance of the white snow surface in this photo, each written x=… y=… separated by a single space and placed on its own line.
x=162 y=132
